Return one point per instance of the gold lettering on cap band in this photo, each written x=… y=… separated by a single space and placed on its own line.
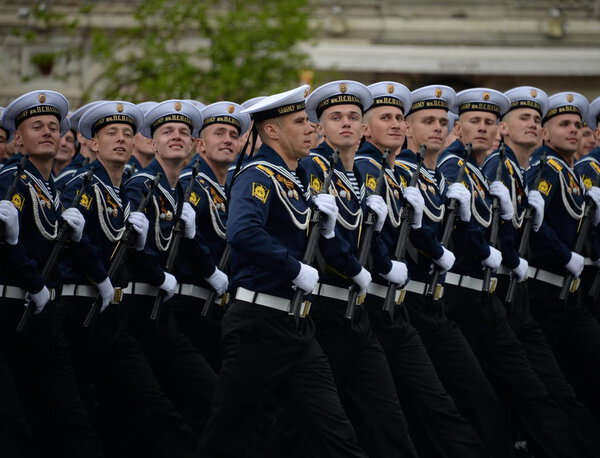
x=279 y=111
x=222 y=119
x=566 y=109
x=112 y=119
x=338 y=100
x=479 y=106
x=174 y=117
x=393 y=101
x=432 y=103
x=37 y=111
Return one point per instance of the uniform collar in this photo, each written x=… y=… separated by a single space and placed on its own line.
x=369 y=150
x=268 y=154
x=153 y=168
x=457 y=148
x=407 y=155
x=133 y=161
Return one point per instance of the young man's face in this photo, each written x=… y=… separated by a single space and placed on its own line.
x=66 y=147
x=3 y=144
x=173 y=140
x=385 y=127
x=220 y=143
x=143 y=145
x=114 y=143
x=563 y=133
x=427 y=127
x=40 y=136
x=523 y=127
x=342 y=125
x=478 y=128
x=294 y=134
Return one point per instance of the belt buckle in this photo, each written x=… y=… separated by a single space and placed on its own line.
x=117 y=296
x=439 y=292
x=493 y=284
x=401 y=297
x=305 y=309
x=52 y=293
x=361 y=299
x=574 y=285
x=224 y=300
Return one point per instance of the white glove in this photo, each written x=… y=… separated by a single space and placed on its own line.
x=107 y=292
x=575 y=264
x=521 y=270
x=398 y=274
x=307 y=278
x=218 y=281
x=499 y=190
x=188 y=216
x=9 y=215
x=463 y=196
x=594 y=194
x=169 y=286
x=537 y=203
x=76 y=222
x=327 y=206
x=363 y=280
x=379 y=207
x=414 y=197
x=446 y=261
x=39 y=299
x=140 y=224
x=494 y=260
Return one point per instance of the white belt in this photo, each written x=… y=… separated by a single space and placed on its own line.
x=503 y=270
x=90 y=291
x=12 y=292
x=464 y=281
x=416 y=287
x=332 y=292
x=141 y=289
x=273 y=302
x=546 y=277
x=186 y=289
x=380 y=291
x=588 y=262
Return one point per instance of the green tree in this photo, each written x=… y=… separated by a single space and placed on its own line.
x=246 y=48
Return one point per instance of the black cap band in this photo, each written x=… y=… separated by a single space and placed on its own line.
x=566 y=109
x=526 y=104
x=113 y=119
x=387 y=101
x=430 y=103
x=223 y=119
x=39 y=110
x=339 y=99
x=279 y=111
x=174 y=117
x=479 y=106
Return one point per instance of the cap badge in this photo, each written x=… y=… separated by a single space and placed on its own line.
x=533 y=93
x=390 y=88
x=343 y=88
x=230 y=109
x=42 y=98
x=177 y=106
x=438 y=92
x=570 y=98
x=486 y=96
x=306 y=91
x=120 y=107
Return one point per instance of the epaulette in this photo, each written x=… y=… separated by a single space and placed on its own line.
x=509 y=167
x=403 y=165
x=266 y=170
x=595 y=166
x=555 y=164
x=320 y=163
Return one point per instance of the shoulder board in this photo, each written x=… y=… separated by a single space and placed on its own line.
x=449 y=157
x=264 y=169
x=185 y=174
x=509 y=167
x=595 y=166
x=320 y=162
x=404 y=166
x=555 y=164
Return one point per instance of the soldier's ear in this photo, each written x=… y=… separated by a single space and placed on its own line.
x=271 y=130
x=366 y=131
x=502 y=128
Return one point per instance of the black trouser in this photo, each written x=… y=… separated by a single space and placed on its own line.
x=265 y=353
x=574 y=336
x=543 y=361
x=204 y=332
x=40 y=362
x=587 y=279
x=482 y=319
x=447 y=373
x=127 y=398
x=185 y=376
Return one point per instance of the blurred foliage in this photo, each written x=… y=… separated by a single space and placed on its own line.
x=247 y=48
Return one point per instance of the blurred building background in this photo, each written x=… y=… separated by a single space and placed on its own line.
x=551 y=44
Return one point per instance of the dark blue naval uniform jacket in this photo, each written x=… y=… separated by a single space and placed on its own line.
x=588 y=169
x=267 y=226
x=147 y=266
x=105 y=209
x=69 y=171
x=132 y=166
x=210 y=203
x=513 y=177
x=470 y=240
x=563 y=193
x=426 y=239
x=39 y=210
x=352 y=209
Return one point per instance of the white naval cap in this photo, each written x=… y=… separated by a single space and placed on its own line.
x=340 y=92
x=280 y=104
x=481 y=99
x=565 y=103
x=77 y=114
x=37 y=103
x=389 y=93
x=434 y=96
x=527 y=97
x=172 y=111
x=8 y=132
x=594 y=113
x=105 y=113
x=452 y=118
x=201 y=106
x=147 y=106
x=226 y=113
x=254 y=100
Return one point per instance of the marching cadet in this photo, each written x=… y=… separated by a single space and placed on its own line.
x=264 y=348
x=4 y=139
x=86 y=153
x=66 y=152
x=38 y=357
x=480 y=314
x=143 y=149
x=436 y=425
x=357 y=360
x=571 y=330
x=183 y=372
x=107 y=355
x=588 y=141
x=223 y=128
x=521 y=128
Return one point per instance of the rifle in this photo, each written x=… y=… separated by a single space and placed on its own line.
x=432 y=288
x=317 y=221
x=570 y=283
x=121 y=249
x=402 y=240
x=367 y=237
x=59 y=243
x=495 y=224
x=524 y=243
x=13 y=186
x=175 y=242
